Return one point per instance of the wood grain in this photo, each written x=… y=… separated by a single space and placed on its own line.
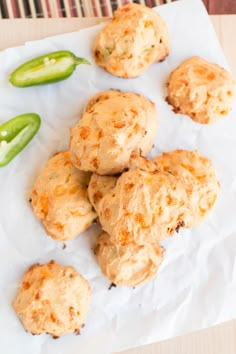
x=220 y=339
x=17 y=31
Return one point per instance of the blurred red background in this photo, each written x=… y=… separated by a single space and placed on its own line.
x=220 y=6
x=81 y=8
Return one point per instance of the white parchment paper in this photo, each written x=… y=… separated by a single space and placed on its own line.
x=196 y=284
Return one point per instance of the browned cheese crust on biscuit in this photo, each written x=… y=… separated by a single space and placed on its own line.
x=113 y=126
x=52 y=299
x=60 y=198
x=144 y=206
x=129 y=265
x=201 y=90
x=135 y=38
x=200 y=181
x=155 y=198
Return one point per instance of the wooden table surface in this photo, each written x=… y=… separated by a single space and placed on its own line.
x=220 y=339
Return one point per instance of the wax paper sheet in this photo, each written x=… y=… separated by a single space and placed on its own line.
x=196 y=284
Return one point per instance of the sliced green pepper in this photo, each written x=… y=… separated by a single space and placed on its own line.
x=15 y=134
x=48 y=68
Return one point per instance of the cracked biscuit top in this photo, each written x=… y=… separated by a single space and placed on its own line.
x=113 y=126
x=143 y=207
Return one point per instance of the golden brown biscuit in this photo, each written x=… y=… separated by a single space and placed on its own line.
x=143 y=207
x=155 y=198
x=98 y=187
x=199 y=178
x=129 y=265
x=114 y=125
x=60 y=199
x=52 y=299
x=202 y=90
x=135 y=38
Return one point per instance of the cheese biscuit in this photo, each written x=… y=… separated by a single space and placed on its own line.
x=60 y=198
x=113 y=126
x=52 y=299
x=201 y=90
x=129 y=265
x=135 y=38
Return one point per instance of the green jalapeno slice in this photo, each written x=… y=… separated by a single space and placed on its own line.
x=15 y=134
x=48 y=68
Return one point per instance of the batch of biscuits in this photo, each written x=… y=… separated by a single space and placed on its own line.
x=105 y=177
